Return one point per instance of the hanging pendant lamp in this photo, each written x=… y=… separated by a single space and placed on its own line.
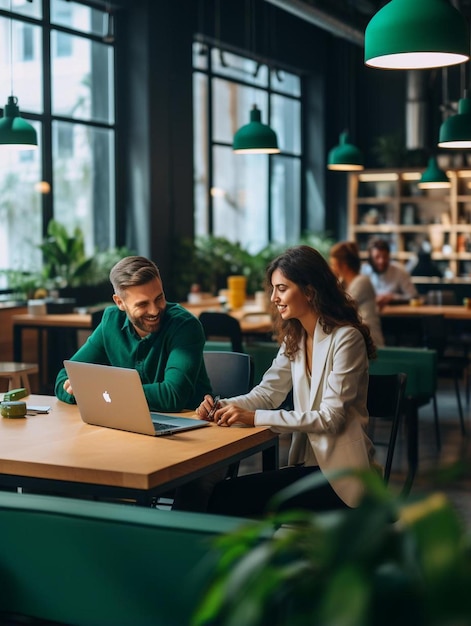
x=416 y=34
x=455 y=132
x=434 y=177
x=255 y=137
x=15 y=132
x=345 y=156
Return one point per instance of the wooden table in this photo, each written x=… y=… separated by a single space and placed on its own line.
x=43 y=325
x=58 y=452
x=253 y=321
x=449 y=311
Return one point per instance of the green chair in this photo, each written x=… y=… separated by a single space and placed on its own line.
x=420 y=366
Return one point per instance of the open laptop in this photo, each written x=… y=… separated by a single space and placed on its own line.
x=113 y=397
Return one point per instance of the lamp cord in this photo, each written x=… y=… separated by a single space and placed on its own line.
x=11 y=50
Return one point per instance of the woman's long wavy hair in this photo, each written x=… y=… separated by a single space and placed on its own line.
x=308 y=269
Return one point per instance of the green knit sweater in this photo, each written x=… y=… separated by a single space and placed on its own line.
x=169 y=362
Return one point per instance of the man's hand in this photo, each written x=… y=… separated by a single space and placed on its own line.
x=384 y=299
x=68 y=387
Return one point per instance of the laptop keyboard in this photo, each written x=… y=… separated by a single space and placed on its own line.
x=159 y=426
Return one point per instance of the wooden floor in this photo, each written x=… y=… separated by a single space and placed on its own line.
x=433 y=463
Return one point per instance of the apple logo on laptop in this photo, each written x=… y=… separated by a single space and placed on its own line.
x=106 y=396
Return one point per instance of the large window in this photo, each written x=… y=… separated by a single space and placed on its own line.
x=62 y=73
x=250 y=199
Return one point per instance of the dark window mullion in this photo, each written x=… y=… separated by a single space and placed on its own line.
x=47 y=169
x=210 y=145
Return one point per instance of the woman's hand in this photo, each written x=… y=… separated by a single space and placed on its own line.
x=206 y=409
x=232 y=414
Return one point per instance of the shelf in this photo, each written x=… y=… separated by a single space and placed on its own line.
x=435 y=215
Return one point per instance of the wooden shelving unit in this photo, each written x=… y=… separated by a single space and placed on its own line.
x=389 y=203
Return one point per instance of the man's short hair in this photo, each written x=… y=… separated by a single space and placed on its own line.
x=379 y=244
x=132 y=271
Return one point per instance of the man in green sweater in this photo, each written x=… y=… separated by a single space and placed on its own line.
x=161 y=340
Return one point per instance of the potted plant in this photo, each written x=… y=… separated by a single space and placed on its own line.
x=209 y=260
x=68 y=269
x=387 y=562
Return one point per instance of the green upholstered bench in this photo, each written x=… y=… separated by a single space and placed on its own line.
x=80 y=562
x=420 y=365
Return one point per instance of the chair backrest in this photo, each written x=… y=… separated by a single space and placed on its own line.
x=420 y=365
x=222 y=325
x=230 y=373
x=441 y=296
x=385 y=402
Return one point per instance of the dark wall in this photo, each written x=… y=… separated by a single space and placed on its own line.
x=155 y=133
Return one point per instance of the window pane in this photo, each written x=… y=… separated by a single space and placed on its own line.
x=234 y=66
x=286 y=82
x=32 y=9
x=286 y=121
x=200 y=56
x=200 y=143
x=232 y=104
x=239 y=198
x=24 y=74
x=83 y=181
x=20 y=208
x=77 y=16
x=82 y=84
x=285 y=192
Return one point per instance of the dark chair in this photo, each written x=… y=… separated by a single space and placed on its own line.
x=450 y=363
x=420 y=365
x=386 y=402
x=230 y=373
x=441 y=296
x=430 y=331
x=219 y=326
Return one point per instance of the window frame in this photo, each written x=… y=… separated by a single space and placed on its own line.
x=210 y=74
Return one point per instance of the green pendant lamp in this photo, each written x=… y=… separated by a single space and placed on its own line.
x=416 y=34
x=15 y=132
x=434 y=177
x=455 y=132
x=255 y=137
x=345 y=157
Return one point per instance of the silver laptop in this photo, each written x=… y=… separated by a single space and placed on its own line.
x=113 y=397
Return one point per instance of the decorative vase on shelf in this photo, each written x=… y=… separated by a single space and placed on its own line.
x=437 y=237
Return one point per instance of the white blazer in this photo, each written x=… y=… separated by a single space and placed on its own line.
x=330 y=415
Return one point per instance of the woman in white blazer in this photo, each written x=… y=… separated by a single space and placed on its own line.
x=323 y=359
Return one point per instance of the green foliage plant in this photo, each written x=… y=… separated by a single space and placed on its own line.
x=209 y=260
x=65 y=260
x=66 y=263
x=388 y=562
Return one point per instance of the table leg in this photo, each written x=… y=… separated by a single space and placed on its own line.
x=271 y=457
x=17 y=344
x=412 y=428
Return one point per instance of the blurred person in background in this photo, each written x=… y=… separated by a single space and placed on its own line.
x=391 y=281
x=345 y=262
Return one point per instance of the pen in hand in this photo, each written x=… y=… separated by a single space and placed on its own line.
x=214 y=409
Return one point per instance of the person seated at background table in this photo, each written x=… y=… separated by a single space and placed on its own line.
x=345 y=262
x=161 y=340
x=425 y=265
x=323 y=358
x=390 y=280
